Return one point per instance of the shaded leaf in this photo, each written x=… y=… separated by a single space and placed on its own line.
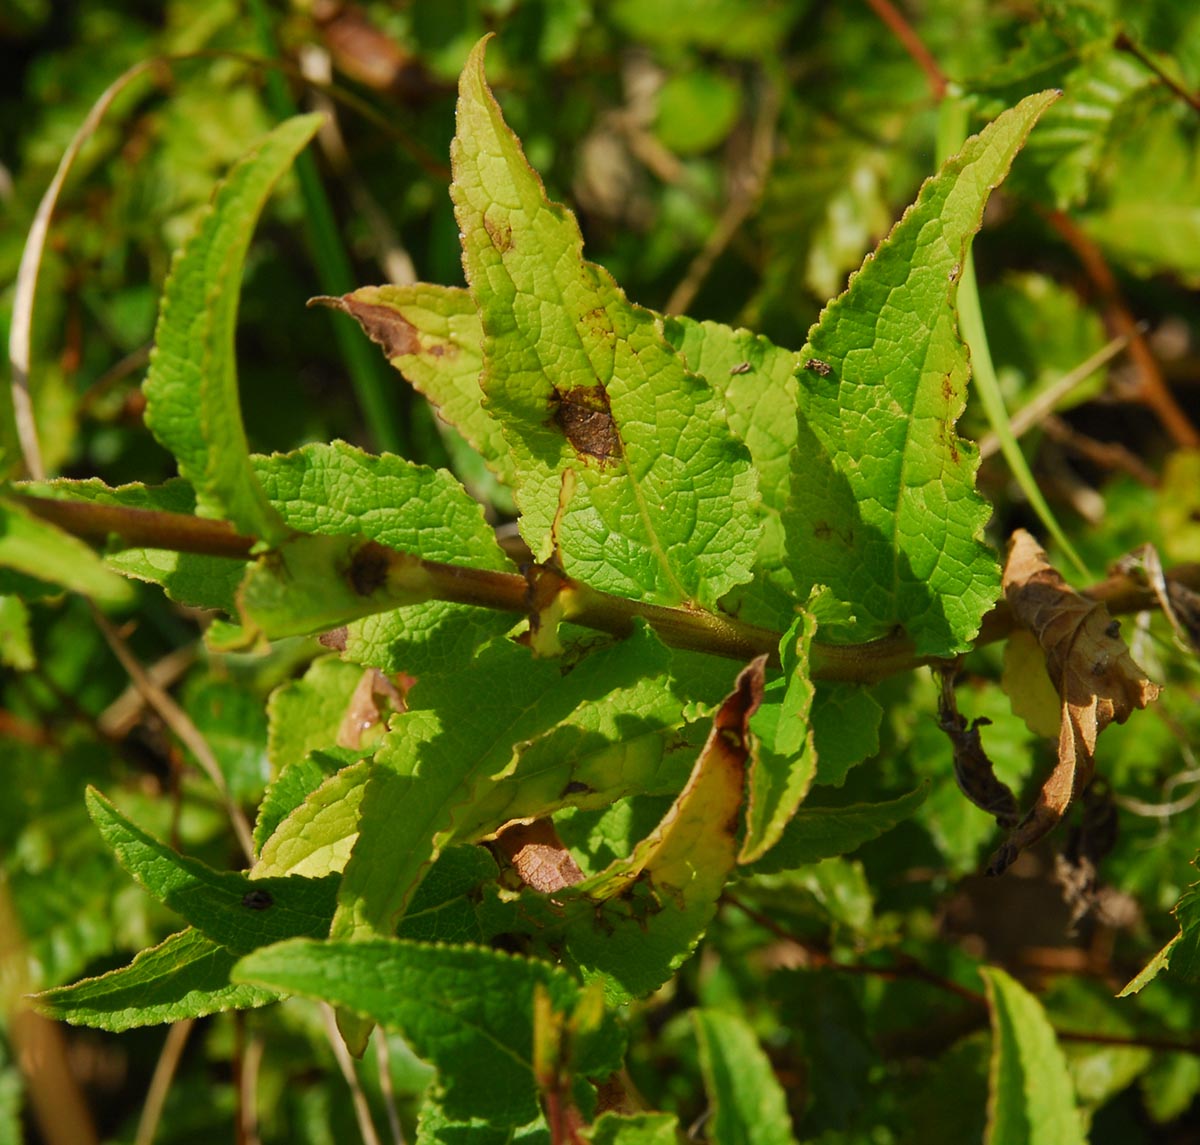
x=747 y=1103
x=816 y=833
x=231 y=909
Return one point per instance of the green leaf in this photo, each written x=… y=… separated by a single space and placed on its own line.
x=337 y=490
x=467 y=1010
x=816 y=833
x=461 y=733
x=435 y=1128
x=187 y=976
x=35 y=548
x=296 y=783
x=231 y=909
x=883 y=509
x=629 y=742
x=757 y=380
x=582 y=380
x=845 y=722
x=16 y=644
x=634 y=1129
x=318 y=582
x=782 y=758
x=445 y=907
x=317 y=836
x=747 y=1104
x=433 y=336
x=191 y=390
x=306 y=714
x=1031 y=1101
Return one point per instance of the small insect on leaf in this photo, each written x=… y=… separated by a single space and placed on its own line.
x=257 y=900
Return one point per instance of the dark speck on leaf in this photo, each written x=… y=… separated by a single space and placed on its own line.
x=368 y=569
x=257 y=900
x=819 y=367
x=576 y=788
x=741 y=368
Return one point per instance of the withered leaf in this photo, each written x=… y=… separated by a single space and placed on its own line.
x=539 y=857
x=972 y=768
x=1089 y=664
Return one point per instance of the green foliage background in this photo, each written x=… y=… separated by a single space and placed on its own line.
x=837 y=995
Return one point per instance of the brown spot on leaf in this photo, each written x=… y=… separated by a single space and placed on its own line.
x=501 y=234
x=818 y=367
x=382 y=324
x=740 y=368
x=584 y=416
x=368 y=571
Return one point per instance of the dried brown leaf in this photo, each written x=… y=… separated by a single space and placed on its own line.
x=1089 y=664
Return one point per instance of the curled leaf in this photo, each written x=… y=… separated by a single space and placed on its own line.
x=1097 y=681
x=972 y=768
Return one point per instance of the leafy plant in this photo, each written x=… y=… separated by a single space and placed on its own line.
x=574 y=814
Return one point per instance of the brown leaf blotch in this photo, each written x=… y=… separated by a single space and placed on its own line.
x=368 y=571
x=384 y=325
x=585 y=418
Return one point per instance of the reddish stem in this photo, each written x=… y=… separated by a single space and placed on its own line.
x=913 y=45
x=1152 y=390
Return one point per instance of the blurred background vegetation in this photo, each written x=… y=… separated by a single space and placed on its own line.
x=731 y=159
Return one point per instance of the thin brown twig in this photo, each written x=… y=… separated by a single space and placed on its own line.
x=1151 y=389
x=913 y=45
x=362 y=1111
x=741 y=203
x=160 y=1083
x=181 y=724
x=681 y=627
x=384 y=1057
x=1106 y=454
x=1124 y=44
x=911 y=970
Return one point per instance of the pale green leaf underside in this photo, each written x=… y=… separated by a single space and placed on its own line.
x=883 y=508
x=1031 y=1100
x=581 y=379
x=191 y=391
x=186 y=976
x=38 y=549
x=747 y=1102
x=458 y=1006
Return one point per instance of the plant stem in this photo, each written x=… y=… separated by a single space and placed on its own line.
x=688 y=628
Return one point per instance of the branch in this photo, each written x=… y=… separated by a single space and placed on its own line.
x=687 y=628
